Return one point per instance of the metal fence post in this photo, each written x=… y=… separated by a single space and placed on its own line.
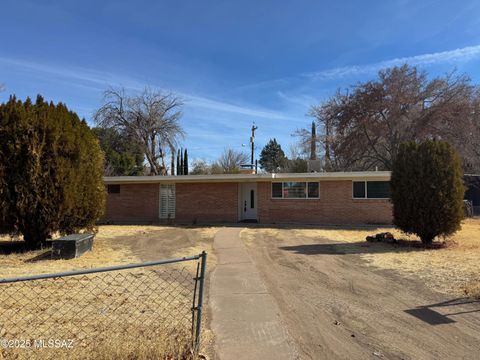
x=203 y=267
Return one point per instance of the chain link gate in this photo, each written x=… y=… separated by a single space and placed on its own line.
x=152 y=308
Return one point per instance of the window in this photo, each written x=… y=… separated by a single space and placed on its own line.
x=313 y=190
x=371 y=189
x=378 y=189
x=295 y=190
x=277 y=190
x=359 y=189
x=113 y=189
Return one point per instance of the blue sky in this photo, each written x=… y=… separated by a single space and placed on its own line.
x=233 y=62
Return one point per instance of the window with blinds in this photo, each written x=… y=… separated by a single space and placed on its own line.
x=296 y=190
x=167 y=201
x=371 y=189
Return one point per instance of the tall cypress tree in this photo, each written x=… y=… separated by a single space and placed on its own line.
x=181 y=162
x=172 y=162
x=313 y=144
x=185 y=163
x=178 y=162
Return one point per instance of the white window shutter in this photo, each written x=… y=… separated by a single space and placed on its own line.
x=167 y=201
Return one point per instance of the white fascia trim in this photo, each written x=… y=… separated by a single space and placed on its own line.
x=321 y=176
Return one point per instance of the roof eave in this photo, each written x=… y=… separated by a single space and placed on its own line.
x=321 y=176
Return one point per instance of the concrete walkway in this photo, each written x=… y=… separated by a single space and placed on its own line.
x=245 y=317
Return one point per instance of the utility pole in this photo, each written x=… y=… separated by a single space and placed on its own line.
x=252 y=141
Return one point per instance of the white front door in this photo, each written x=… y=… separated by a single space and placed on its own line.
x=248 y=201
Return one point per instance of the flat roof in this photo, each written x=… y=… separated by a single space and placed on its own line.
x=324 y=176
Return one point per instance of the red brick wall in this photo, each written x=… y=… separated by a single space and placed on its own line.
x=218 y=202
x=136 y=203
x=206 y=202
x=335 y=206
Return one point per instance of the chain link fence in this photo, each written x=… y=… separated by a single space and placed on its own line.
x=149 y=310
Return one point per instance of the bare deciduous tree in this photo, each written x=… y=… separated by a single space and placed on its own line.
x=151 y=117
x=200 y=167
x=229 y=162
x=363 y=128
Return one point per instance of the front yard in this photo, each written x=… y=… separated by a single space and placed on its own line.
x=143 y=304
x=341 y=297
x=453 y=269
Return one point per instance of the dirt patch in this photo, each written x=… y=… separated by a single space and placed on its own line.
x=453 y=269
x=157 y=242
x=337 y=305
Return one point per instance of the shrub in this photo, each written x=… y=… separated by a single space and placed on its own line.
x=51 y=170
x=427 y=189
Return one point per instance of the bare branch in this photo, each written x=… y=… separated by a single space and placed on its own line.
x=364 y=127
x=152 y=118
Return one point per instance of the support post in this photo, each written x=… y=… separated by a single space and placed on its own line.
x=201 y=280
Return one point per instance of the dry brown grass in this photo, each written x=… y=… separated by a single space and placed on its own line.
x=453 y=269
x=125 y=348
x=472 y=289
x=107 y=250
x=38 y=262
x=146 y=340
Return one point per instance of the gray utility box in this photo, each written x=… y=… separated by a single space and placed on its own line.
x=71 y=246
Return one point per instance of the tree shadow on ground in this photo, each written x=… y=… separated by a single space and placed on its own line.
x=448 y=309
x=13 y=247
x=20 y=247
x=360 y=247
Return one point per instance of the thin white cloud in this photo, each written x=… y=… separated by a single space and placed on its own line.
x=451 y=56
x=462 y=54
x=203 y=102
x=303 y=101
x=75 y=73
x=102 y=80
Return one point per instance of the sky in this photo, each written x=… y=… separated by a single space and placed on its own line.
x=232 y=62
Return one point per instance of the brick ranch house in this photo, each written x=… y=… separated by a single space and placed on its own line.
x=310 y=198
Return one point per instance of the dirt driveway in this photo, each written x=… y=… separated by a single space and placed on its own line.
x=337 y=307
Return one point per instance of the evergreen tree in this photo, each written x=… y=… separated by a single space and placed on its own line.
x=297 y=165
x=185 y=163
x=178 y=162
x=313 y=143
x=427 y=189
x=272 y=157
x=123 y=156
x=51 y=168
x=181 y=162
